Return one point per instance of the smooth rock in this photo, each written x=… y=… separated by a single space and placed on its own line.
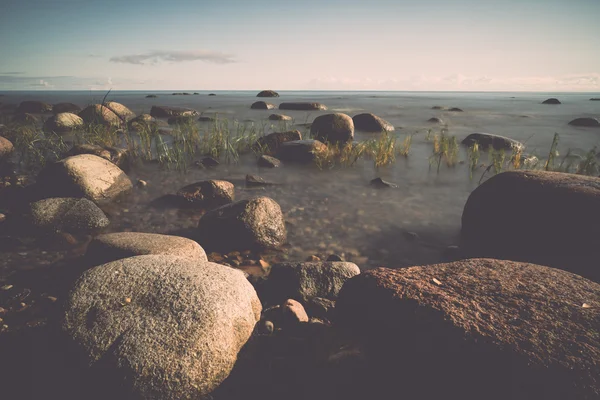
x=381 y=184
x=115 y=246
x=302 y=106
x=124 y=113
x=486 y=140
x=33 y=107
x=551 y=101
x=99 y=114
x=261 y=105
x=371 y=123
x=436 y=120
x=268 y=162
x=335 y=128
x=279 y=117
x=25 y=119
x=166 y=112
x=267 y=93
x=72 y=215
x=118 y=156
x=6 y=148
x=207 y=194
x=270 y=143
x=63 y=123
x=587 y=122
x=301 y=151
x=161 y=327
x=293 y=312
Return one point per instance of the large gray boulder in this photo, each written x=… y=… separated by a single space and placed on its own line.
x=586 y=122
x=84 y=175
x=476 y=329
x=71 y=215
x=166 y=112
x=207 y=194
x=246 y=224
x=301 y=151
x=547 y=218
x=6 y=148
x=303 y=281
x=371 y=123
x=487 y=140
x=99 y=115
x=161 y=327
x=63 y=123
x=115 y=246
x=333 y=128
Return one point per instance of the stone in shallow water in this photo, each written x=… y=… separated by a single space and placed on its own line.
x=486 y=140
x=587 y=122
x=267 y=93
x=261 y=105
x=211 y=193
x=371 y=123
x=551 y=101
x=302 y=106
x=333 y=128
x=268 y=162
x=381 y=184
x=73 y=215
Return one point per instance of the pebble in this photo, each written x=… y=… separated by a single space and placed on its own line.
x=266 y=327
x=141 y=183
x=2 y=217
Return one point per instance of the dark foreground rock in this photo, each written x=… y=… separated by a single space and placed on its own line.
x=305 y=280
x=71 y=215
x=548 y=218
x=63 y=123
x=551 y=101
x=84 y=175
x=587 y=122
x=267 y=93
x=301 y=151
x=33 y=107
x=302 y=106
x=270 y=143
x=381 y=184
x=207 y=194
x=166 y=112
x=261 y=105
x=333 y=128
x=155 y=327
x=116 y=246
x=66 y=108
x=476 y=329
x=244 y=225
x=486 y=140
x=371 y=123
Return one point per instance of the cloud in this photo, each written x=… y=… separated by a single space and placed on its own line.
x=12 y=73
x=42 y=83
x=155 y=57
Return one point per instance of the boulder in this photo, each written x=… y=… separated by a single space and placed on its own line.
x=587 y=122
x=371 y=123
x=122 y=112
x=261 y=105
x=166 y=112
x=116 y=155
x=6 y=148
x=458 y=330
x=279 y=117
x=438 y=108
x=142 y=122
x=551 y=101
x=486 y=140
x=100 y=115
x=302 y=106
x=244 y=225
x=292 y=312
x=267 y=93
x=595 y=99
x=300 y=150
x=25 y=119
x=63 y=123
x=456 y=109
x=115 y=246
x=270 y=143
x=84 y=175
x=33 y=107
x=381 y=184
x=268 y=162
x=151 y=96
x=304 y=280
x=207 y=194
x=333 y=128
x=66 y=108
x=255 y=180
x=547 y=218
x=160 y=327
x=436 y=120
x=71 y=215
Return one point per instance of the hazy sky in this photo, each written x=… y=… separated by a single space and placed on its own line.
x=537 y=45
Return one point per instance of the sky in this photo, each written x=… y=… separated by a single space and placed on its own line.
x=429 y=45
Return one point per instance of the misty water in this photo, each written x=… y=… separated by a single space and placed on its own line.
x=336 y=210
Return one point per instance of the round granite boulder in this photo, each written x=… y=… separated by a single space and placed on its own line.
x=124 y=113
x=301 y=151
x=261 y=105
x=6 y=148
x=586 y=122
x=303 y=106
x=551 y=101
x=158 y=326
x=333 y=128
x=71 y=215
x=63 y=123
x=166 y=112
x=267 y=93
x=99 y=115
x=371 y=123
x=207 y=194
x=486 y=140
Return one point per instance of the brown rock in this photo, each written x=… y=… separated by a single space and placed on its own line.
x=371 y=123
x=211 y=193
x=293 y=312
x=271 y=142
x=333 y=128
x=267 y=93
x=261 y=105
x=302 y=106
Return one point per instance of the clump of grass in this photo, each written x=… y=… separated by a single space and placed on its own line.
x=552 y=154
x=444 y=148
x=404 y=149
x=473 y=155
x=383 y=149
x=35 y=149
x=589 y=164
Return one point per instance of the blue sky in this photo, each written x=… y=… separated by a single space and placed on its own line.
x=543 y=45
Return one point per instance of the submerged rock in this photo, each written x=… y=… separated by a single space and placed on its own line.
x=333 y=128
x=486 y=140
x=33 y=107
x=166 y=112
x=72 y=215
x=371 y=123
x=207 y=194
x=6 y=148
x=84 y=175
x=525 y=330
x=305 y=280
x=587 y=122
x=261 y=105
x=381 y=184
x=151 y=96
x=244 y=225
x=595 y=99
x=456 y=109
x=438 y=108
x=63 y=123
x=558 y=215
x=99 y=114
x=115 y=246
x=551 y=101
x=268 y=162
x=271 y=142
x=302 y=106
x=255 y=180
x=279 y=117
x=300 y=150
x=155 y=327
x=267 y=93
x=436 y=120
